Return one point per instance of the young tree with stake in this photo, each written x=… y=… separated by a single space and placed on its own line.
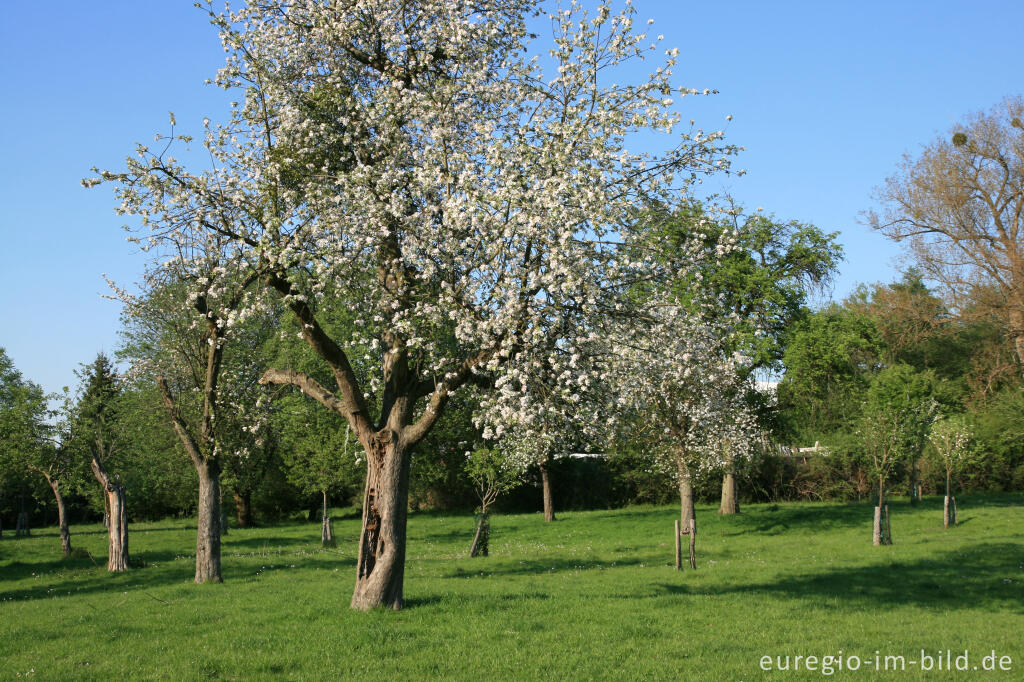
x=683 y=386
x=950 y=438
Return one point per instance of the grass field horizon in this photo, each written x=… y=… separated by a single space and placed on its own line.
x=593 y=595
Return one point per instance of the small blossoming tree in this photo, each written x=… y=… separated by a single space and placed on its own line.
x=950 y=438
x=683 y=386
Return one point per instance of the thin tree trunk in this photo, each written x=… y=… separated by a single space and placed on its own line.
x=380 y=570
x=326 y=531
x=945 y=505
x=62 y=519
x=913 y=483
x=482 y=538
x=116 y=517
x=243 y=508
x=882 y=534
x=686 y=512
x=545 y=483
x=208 y=525
x=685 y=495
x=21 y=525
x=877 y=535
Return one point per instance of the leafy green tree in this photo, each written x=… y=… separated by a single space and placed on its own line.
x=898 y=413
x=830 y=358
x=493 y=473
x=29 y=441
x=763 y=279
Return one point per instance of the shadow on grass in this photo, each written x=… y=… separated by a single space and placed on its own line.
x=270 y=544
x=150 y=570
x=494 y=566
x=988 y=576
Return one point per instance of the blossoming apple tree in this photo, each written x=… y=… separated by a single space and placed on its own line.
x=461 y=179
x=678 y=377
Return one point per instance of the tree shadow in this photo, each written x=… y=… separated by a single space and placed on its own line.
x=158 y=569
x=268 y=543
x=504 y=567
x=988 y=576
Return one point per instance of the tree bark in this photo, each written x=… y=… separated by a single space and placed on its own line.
x=117 y=535
x=116 y=517
x=545 y=483
x=380 y=570
x=685 y=495
x=729 y=505
x=208 y=522
x=243 y=508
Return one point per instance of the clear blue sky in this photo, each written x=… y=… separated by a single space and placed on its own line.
x=826 y=96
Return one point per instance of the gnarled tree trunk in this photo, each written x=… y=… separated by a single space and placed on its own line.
x=545 y=483
x=208 y=522
x=117 y=534
x=380 y=570
x=116 y=517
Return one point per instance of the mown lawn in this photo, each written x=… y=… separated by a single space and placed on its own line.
x=591 y=596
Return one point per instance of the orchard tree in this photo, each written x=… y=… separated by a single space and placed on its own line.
x=676 y=373
x=320 y=453
x=950 y=438
x=898 y=414
x=553 y=400
x=764 y=280
x=434 y=162
x=97 y=428
x=960 y=207
x=28 y=441
x=178 y=331
x=493 y=473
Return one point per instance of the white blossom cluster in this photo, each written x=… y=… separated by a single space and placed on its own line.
x=674 y=374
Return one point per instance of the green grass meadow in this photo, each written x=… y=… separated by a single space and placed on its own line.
x=591 y=596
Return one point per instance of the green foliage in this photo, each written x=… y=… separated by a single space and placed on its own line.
x=492 y=473
x=899 y=410
x=830 y=358
x=764 y=280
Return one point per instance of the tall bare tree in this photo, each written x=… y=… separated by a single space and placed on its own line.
x=960 y=207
